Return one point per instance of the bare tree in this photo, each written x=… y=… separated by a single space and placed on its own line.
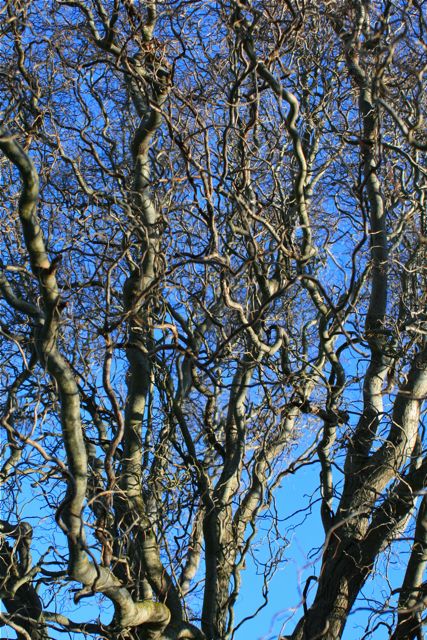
x=213 y=273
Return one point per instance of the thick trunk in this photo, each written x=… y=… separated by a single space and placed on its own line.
x=23 y=604
x=341 y=579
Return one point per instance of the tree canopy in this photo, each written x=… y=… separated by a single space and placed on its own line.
x=212 y=277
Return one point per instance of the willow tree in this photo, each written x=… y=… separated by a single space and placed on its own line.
x=212 y=274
